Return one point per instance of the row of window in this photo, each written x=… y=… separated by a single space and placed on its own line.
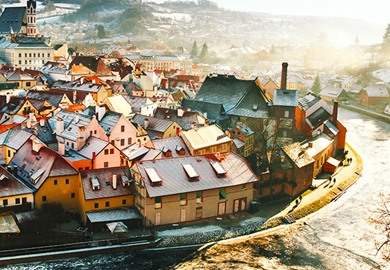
x=34 y=55
x=107 y=204
x=17 y=201
x=183 y=198
x=56 y=182
x=35 y=62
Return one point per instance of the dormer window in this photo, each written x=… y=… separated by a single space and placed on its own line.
x=192 y=175
x=95 y=184
x=218 y=169
x=154 y=178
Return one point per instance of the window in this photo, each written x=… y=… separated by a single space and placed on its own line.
x=24 y=200
x=5 y=202
x=20 y=62
x=183 y=199
x=95 y=132
x=55 y=182
x=73 y=195
x=44 y=198
x=25 y=55
x=106 y=151
x=107 y=204
x=122 y=142
x=124 y=202
x=112 y=151
x=243 y=187
x=222 y=194
x=17 y=201
x=122 y=128
x=199 y=198
x=9 y=152
x=106 y=164
x=39 y=55
x=113 y=142
x=72 y=145
x=198 y=213
x=96 y=205
x=157 y=202
x=67 y=181
x=129 y=141
x=48 y=55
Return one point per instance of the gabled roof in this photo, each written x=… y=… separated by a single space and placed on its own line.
x=72 y=123
x=109 y=121
x=285 y=98
x=93 y=63
x=377 y=90
x=137 y=102
x=237 y=170
x=19 y=75
x=175 y=144
x=317 y=118
x=309 y=100
x=40 y=166
x=105 y=178
x=11 y=185
x=155 y=124
x=43 y=132
x=54 y=98
x=239 y=97
x=331 y=91
x=297 y=154
x=93 y=146
x=14 y=138
x=119 y=104
x=78 y=86
x=14 y=105
x=12 y=20
x=215 y=111
x=205 y=136
x=185 y=120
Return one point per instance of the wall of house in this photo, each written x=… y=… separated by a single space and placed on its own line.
x=26 y=108
x=8 y=154
x=113 y=202
x=29 y=57
x=217 y=148
x=12 y=200
x=320 y=159
x=107 y=160
x=60 y=193
x=122 y=139
x=171 y=131
x=172 y=211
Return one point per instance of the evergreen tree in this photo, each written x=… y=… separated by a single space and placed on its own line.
x=204 y=53
x=194 y=50
x=386 y=36
x=101 y=31
x=316 y=88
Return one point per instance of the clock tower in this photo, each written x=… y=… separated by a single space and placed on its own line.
x=31 y=28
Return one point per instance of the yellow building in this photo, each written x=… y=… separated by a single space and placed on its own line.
x=106 y=193
x=206 y=140
x=158 y=128
x=10 y=142
x=54 y=179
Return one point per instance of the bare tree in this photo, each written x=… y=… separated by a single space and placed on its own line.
x=381 y=218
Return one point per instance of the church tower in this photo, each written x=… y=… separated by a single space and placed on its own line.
x=31 y=18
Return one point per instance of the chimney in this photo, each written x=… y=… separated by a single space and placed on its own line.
x=114 y=182
x=194 y=126
x=36 y=146
x=146 y=123
x=82 y=80
x=180 y=112
x=335 y=112
x=283 y=82
x=7 y=98
x=11 y=119
x=74 y=96
x=61 y=147
x=15 y=170
x=59 y=126
x=42 y=122
x=116 y=143
x=100 y=110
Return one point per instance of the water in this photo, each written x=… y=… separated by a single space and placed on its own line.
x=338 y=236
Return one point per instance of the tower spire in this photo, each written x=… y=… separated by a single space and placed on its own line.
x=31 y=18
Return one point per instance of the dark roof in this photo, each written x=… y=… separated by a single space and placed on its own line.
x=14 y=105
x=308 y=101
x=233 y=93
x=52 y=97
x=175 y=144
x=44 y=132
x=93 y=63
x=12 y=18
x=8 y=85
x=215 y=111
x=136 y=103
x=318 y=117
x=185 y=121
x=285 y=98
x=11 y=185
x=155 y=124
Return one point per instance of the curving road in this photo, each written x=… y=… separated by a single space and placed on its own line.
x=338 y=236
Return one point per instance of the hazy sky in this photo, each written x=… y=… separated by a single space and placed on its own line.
x=370 y=10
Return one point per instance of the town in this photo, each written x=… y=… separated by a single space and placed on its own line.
x=130 y=139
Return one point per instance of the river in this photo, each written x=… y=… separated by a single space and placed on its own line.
x=338 y=236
